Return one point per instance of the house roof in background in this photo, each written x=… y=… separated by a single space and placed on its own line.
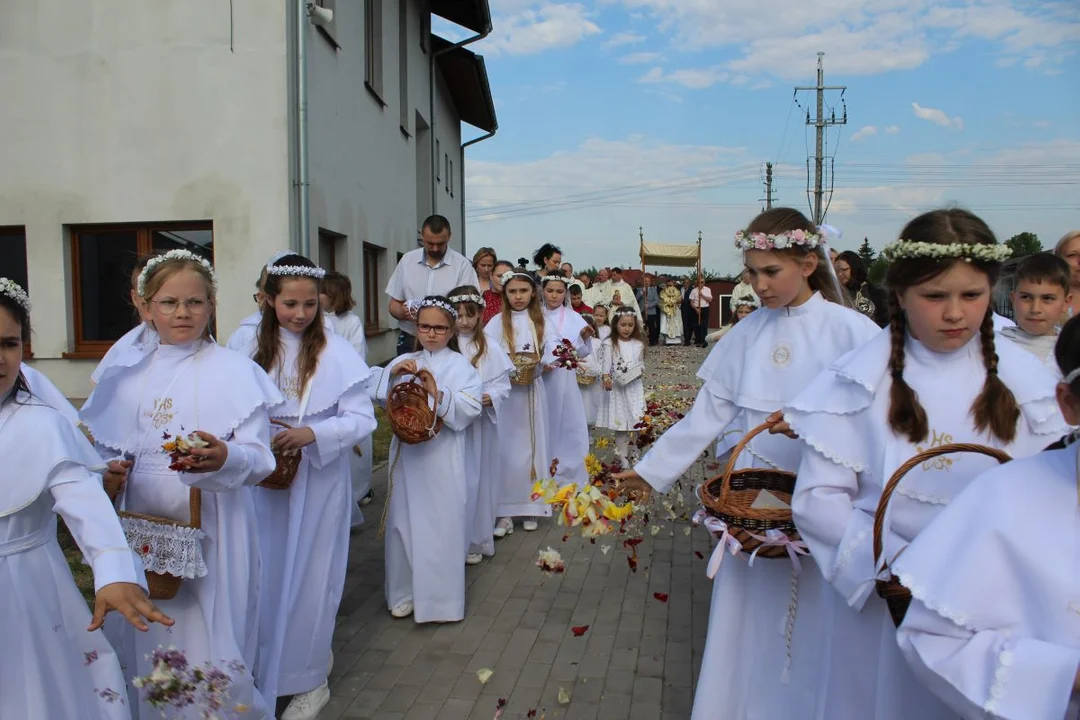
x=473 y=15
x=466 y=77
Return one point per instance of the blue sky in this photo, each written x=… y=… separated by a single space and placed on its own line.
x=615 y=114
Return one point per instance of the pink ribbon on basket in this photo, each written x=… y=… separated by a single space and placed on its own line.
x=777 y=538
x=718 y=529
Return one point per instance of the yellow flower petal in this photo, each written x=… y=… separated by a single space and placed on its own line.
x=484 y=674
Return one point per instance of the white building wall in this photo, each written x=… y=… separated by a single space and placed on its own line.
x=120 y=111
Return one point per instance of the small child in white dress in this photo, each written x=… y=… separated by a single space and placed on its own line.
x=624 y=370
x=603 y=322
x=592 y=365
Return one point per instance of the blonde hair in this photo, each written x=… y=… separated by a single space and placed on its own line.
x=165 y=269
x=1065 y=240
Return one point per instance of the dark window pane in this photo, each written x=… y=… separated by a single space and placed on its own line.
x=200 y=242
x=13 y=255
x=105 y=262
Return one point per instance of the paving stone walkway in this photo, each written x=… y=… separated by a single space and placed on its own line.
x=638 y=660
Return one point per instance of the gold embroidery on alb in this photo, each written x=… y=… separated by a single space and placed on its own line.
x=942 y=462
x=161 y=414
x=290 y=387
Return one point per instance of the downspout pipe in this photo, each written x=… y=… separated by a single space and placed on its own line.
x=435 y=54
x=303 y=195
x=480 y=139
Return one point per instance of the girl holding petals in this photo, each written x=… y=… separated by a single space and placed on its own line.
x=184 y=385
x=304 y=529
x=623 y=380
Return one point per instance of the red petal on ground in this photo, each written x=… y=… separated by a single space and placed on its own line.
x=632 y=542
x=579 y=630
x=632 y=562
x=662 y=597
x=699 y=555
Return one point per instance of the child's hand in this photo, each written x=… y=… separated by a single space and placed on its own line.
x=587 y=332
x=293 y=439
x=205 y=459
x=631 y=485
x=428 y=380
x=607 y=384
x=780 y=425
x=130 y=601
x=405 y=367
x=115 y=478
x=485 y=400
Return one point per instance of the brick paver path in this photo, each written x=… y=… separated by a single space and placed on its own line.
x=639 y=658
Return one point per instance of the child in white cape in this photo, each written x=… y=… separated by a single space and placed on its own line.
x=593 y=395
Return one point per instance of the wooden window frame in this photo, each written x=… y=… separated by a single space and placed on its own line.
x=15 y=231
x=372 y=261
x=96 y=349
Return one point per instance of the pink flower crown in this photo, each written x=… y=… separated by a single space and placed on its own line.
x=781 y=241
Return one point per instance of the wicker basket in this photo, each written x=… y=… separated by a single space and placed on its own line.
x=412 y=410
x=287 y=465
x=729 y=497
x=162 y=586
x=525 y=364
x=895 y=595
x=585 y=379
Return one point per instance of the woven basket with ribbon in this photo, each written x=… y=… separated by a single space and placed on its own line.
x=584 y=378
x=170 y=550
x=525 y=364
x=287 y=465
x=412 y=410
x=761 y=531
x=896 y=596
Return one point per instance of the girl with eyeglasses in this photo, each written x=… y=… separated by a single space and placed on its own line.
x=183 y=384
x=304 y=529
x=425 y=520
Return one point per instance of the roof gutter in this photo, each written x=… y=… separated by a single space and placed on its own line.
x=482 y=138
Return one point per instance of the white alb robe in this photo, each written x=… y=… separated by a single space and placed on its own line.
x=625 y=403
x=426 y=529
x=992 y=628
x=351 y=327
x=850 y=453
x=304 y=531
x=51 y=666
x=141 y=334
x=766 y=360
x=153 y=389
x=568 y=429
x=523 y=429
x=43 y=389
x=482 y=467
x=593 y=395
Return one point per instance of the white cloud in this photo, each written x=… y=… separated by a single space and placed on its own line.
x=864 y=132
x=892 y=129
x=535 y=30
x=693 y=78
x=640 y=58
x=938 y=117
x=623 y=38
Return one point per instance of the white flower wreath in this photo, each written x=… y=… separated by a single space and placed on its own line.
x=780 y=241
x=14 y=291
x=153 y=262
x=963 y=251
x=303 y=270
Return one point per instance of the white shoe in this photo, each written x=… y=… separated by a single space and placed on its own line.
x=504 y=527
x=403 y=610
x=306 y=706
x=529 y=525
x=473 y=559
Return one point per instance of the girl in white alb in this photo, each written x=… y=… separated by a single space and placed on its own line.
x=624 y=380
x=935 y=377
x=760 y=662
x=523 y=429
x=304 y=529
x=483 y=467
x=187 y=386
x=568 y=431
x=54 y=666
x=426 y=516
x=603 y=322
x=593 y=395
x=337 y=303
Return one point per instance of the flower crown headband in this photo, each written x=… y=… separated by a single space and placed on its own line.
x=434 y=302
x=902 y=249
x=153 y=262
x=549 y=278
x=625 y=310
x=780 y=241
x=748 y=300
x=511 y=274
x=458 y=299
x=14 y=291
x=314 y=271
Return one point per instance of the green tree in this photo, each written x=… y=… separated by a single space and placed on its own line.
x=866 y=252
x=876 y=270
x=1024 y=244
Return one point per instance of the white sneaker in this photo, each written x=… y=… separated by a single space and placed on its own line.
x=473 y=559
x=403 y=610
x=306 y=706
x=504 y=527
x=529 y=525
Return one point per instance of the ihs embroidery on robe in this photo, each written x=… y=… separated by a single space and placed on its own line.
x=781 y=355
x=942 y=462
x=290 y=387
x=161 y=414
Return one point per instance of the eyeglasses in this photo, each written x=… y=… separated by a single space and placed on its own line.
x=195 y=306
x=437 y=329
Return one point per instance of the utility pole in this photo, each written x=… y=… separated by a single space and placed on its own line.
x=769 y=196
x=820 y=123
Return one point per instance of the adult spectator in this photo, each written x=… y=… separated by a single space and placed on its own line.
x=744 y=288
x=568 y=269
x=649 y=299
x=866 y=298
x=493 y=303
x=483 y=263
x=432 y=269
x=622 y=293
x=547 y=258
x=1068 y=249
x=689 y=315
x=701 y=299
x=600 y=291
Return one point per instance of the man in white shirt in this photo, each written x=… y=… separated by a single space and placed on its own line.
x=433 y=269
x=744 y=288
x=701 y=298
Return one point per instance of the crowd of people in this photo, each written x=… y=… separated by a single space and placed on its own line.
x=213 y=487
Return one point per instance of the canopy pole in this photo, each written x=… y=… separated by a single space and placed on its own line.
x=641 y=252
x=699 y=278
